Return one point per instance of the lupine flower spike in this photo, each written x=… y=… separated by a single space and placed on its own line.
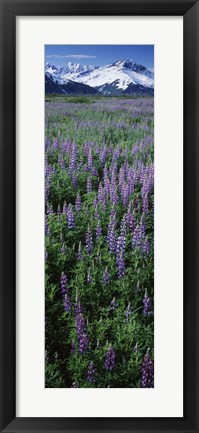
x=110 y=359
x=147 y=375
x=147 y=309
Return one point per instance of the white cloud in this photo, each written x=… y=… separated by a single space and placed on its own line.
x=74 y=56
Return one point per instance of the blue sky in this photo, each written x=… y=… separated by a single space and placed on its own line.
x=99 y=55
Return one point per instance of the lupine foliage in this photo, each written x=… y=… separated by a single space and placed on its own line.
x=99 y=232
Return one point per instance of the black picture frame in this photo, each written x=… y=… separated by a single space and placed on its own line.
x=9 y=10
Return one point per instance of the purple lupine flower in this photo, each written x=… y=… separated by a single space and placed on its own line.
x=56 y=144
x=113 y=168
x=113 y=194
x=147 y=309
x=86 y=148
x=70 y=218
x=130 y=220
x=73 y=158
x=145 y=203
x=105 y=172
x=74 y=181
x=120 y=265
x=110 y=359
x=47 y=231
x=98 y=230
x=113 y=215
x=64 y=284
x=121 y=177
x=142 y=227
x=78 y=308
x=89 y=241
x=130 y=180
x=123 y=226
x=137 y=237
x=67 y=303
x=128 y=312
x=125 y=194
x=82 y=333
x=145 y=247
x=147 y=374
x=101 y=196
x=120 y=250
x=91 y=372
x=114 y=199
x=47 y=188
x=78 y=203
x=117 y=152
x=106 y=276
x=90 y=160
x=147 y=180
x=135 y=149
x=49 y=210
x=89 y=184
x=111 y=236
x=120 y=246
x=102 y=155
x=94 y=172
x=106 y=185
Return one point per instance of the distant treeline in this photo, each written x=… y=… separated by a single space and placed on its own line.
x=90 y=98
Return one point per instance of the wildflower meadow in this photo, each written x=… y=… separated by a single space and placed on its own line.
x=99 y=242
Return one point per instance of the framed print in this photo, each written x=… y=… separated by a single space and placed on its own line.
x=99 y=210
x=95 y=223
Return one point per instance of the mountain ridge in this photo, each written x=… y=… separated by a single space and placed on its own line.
x=121 y=77
x=68 y=88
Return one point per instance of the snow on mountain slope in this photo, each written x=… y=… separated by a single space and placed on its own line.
x=122 y=73
x=112 y=74
x=68 y=72
x=51 y=69
x=75 y=68
x=68 y=88
x=117 y=76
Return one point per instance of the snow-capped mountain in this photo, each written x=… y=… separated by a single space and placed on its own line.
x=51 y=69
x=122 y=76
x=68 y=88
x=69 y=72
